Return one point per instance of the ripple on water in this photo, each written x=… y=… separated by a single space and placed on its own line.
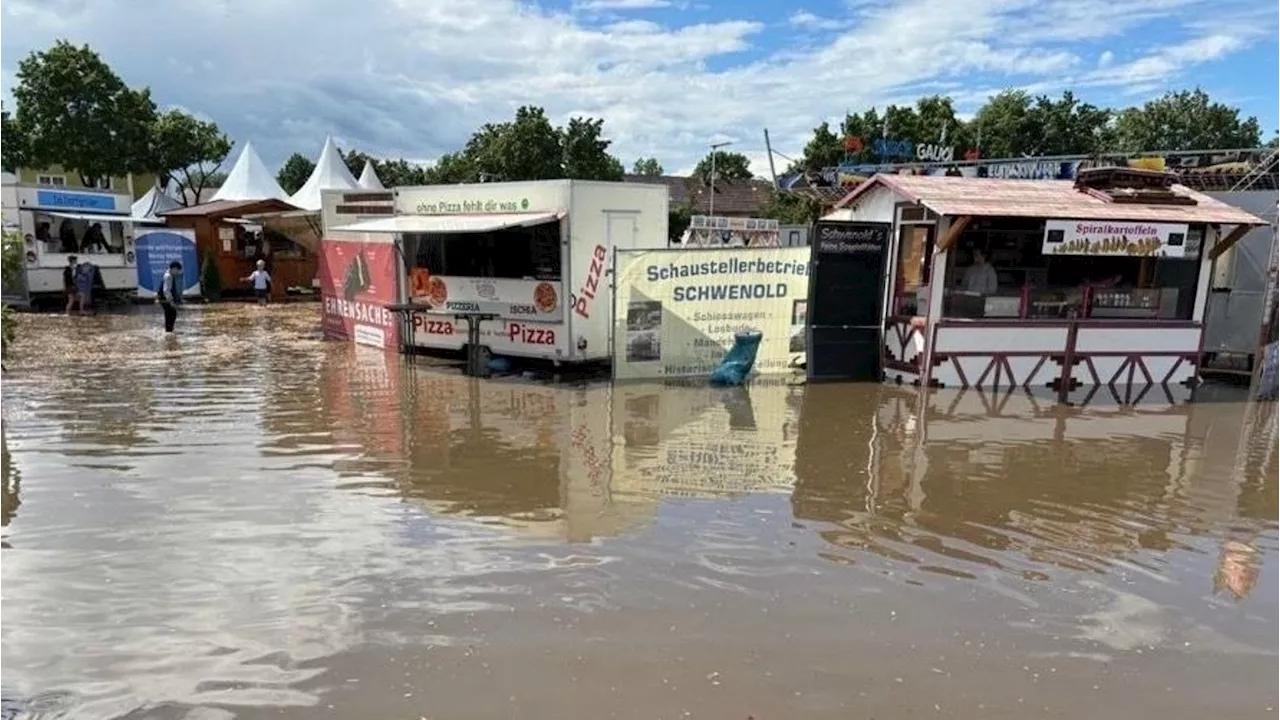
x=244 y=519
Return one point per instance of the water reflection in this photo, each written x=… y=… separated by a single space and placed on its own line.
x=251 y=522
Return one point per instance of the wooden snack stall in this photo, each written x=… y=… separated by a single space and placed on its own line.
x=1062 y=288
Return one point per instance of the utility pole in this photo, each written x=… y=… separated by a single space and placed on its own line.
x=768 y=148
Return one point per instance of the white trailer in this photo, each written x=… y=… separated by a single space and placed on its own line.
x=43 y=211
x=537 y=255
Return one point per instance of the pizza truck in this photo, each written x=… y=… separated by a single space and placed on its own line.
x=534 y=259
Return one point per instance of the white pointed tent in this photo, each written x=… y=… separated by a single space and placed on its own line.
x=369 y=179
x=149 y=207
x=331 y=173
x=250 y=179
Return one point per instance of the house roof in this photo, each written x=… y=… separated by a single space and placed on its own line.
x=1053 y=199
x=733 y=197
x=228 y=208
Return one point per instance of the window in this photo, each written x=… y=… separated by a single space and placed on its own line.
x=915 y=250
x=520 y=253
x=52 y=180
x=79 y=235
x=1035 y=285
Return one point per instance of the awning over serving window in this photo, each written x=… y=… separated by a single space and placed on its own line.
x=91 y=217
x=449 y=223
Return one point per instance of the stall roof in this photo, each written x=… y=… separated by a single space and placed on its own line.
x=1051 y=199
x=448 y=223
x=149 y=207
x=219 y=209
x=91 y=217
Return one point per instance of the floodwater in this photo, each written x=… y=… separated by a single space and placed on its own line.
x=244 y=521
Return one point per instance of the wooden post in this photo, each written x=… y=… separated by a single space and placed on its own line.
x=953 y=233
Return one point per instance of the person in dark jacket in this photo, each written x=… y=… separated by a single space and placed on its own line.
x=169 y=295
x=69 y=284
x=67 y=237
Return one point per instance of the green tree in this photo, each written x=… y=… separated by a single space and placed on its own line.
x=11 y=267
x=1183 y=121
x=586 y=153
x=1003 y=127
x=792 y=209
x=14 y=147
x=1069 y=127
x=392 y=173
x=294 y=173
x=729 y=166
x=647 y=166
x=529 y=147
x=74 y=111
x=189 y=152
x=679 y=217
x=825 y=149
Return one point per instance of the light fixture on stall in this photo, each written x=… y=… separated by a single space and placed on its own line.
x=715 y=147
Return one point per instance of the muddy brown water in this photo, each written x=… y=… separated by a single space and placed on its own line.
x=245 y=521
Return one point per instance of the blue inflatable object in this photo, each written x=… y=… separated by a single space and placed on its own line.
x=1269 y=384
x=737 y=363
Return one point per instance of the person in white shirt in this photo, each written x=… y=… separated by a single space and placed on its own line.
x=980 y=277
x=169 y=294
x=261 y=280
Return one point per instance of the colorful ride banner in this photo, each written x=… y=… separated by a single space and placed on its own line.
x=155 y=249
x=357 y=283
x=676 y=311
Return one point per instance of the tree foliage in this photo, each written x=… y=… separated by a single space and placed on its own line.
x=728 y=166
x=392 y=173
x=294 y=173
x=1183 y=121
x=647 y=166
x=74 y=111
x=529 y=147
x=189 y=152
x=13 y=151
x=11 y=264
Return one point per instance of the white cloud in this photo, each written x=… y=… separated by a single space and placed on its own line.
x=413 y=78
x=622 y=4
x=1106 y=58
x=806 y=20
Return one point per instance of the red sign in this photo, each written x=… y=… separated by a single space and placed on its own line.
x=357 y=282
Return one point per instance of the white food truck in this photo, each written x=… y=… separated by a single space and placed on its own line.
x=536 y=255
x=51 y=219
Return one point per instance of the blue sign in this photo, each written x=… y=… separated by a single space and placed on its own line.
x=75 y=201
x=155 y=250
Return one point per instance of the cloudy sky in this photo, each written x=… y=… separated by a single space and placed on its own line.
x=413 y=78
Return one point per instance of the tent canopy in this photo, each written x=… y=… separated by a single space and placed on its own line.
x=330 y=173
x=369 y=179
x=250 y=179
x=156 y=202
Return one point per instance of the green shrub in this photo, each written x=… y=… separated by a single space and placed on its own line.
x=210 y=279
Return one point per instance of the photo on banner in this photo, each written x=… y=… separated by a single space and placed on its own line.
x=358 y=280
x=677 y=311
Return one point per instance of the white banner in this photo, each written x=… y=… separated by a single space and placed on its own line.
x=676 y=311
x=1114 y=237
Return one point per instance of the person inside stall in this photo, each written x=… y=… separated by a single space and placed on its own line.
x=93 y=238
x=67 y=236
x=980 y=277
x=45 y=238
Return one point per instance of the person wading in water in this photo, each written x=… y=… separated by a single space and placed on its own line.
x=170 y=294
